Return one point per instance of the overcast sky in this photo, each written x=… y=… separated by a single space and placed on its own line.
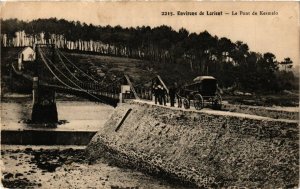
x=278 y=34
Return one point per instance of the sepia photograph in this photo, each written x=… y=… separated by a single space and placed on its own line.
x=149 y=94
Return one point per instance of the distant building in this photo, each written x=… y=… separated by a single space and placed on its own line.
x=27 y=54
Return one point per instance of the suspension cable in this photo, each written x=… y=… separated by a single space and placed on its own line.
x=60 y=80
x=60 y=71
x=78 y=67
x=76 y=84
x=73 y=75
x=66 y=66
x=87 y=74
x=45 y=62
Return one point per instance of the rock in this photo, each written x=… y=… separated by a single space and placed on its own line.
x=8 y=176
x=28 y=149
x=18 y=174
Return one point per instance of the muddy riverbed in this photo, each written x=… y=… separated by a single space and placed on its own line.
x=67 y=167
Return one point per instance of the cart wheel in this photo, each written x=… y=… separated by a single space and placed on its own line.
x=198 y=102
x=217 y=102
x=186 y=103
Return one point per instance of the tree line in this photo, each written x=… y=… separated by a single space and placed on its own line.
x=232 y=63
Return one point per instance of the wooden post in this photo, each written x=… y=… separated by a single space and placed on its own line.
x=131 y=87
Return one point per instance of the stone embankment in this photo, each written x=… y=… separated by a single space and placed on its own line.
x=202 y=148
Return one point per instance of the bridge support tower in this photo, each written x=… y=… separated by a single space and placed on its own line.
x=44 y=105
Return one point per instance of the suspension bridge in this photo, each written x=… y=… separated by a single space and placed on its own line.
x=54 y=71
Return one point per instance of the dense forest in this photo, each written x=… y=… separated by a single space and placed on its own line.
x=232 y=63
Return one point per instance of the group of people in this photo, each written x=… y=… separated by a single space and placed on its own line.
x=160 y=94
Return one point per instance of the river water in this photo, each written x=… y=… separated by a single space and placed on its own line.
x=77 y=115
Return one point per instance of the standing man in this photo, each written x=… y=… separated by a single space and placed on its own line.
x=172 y=94
x=155 y=91
x=163 y=96
x=179 y=100
x=160 y=93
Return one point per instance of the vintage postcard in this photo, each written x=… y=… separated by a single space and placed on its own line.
x=149 y=94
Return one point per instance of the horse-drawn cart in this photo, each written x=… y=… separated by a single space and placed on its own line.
x=203 y=89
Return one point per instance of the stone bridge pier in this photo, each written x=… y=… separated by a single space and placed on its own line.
x=44 y=108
